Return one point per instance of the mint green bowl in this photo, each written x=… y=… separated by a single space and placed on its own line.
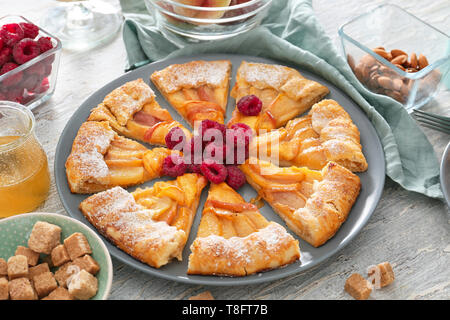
x=14 y=231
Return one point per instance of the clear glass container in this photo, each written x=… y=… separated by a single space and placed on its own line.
x=391 y=27
x=24 y=174
x=226 y=19
x=33 y=82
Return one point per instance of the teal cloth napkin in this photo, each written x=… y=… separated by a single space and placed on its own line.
x=291 y=33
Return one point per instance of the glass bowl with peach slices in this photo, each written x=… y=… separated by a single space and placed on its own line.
x=29 y=62
x=396 y=54
x=208 y=19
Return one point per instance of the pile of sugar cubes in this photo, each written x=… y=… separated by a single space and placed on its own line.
x=22 y=277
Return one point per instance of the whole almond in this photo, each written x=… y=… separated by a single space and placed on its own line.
x=400 y=67
x=382 y=53
x=423 y=62
x=368 y=60
x=397 y=84
x=400 y=59
x=404 y=90
x=398 y=52
x=385 y=82
x=413 y=60
x=397 y=96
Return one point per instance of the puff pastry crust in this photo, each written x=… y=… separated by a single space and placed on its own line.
x=234 y=239
x=314 y=204
x=132 y=111
x=326 y=134
x=285 y=94
x=101 y=159
x=132 y=228
x=198 y=90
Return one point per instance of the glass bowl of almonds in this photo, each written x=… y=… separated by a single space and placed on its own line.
x=394 y=53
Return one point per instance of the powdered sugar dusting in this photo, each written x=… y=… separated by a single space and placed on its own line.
x=192 y=75
x=264 y=75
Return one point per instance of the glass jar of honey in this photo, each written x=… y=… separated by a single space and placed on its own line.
x=24 y=175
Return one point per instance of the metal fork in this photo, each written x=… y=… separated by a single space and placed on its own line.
x=434 y=121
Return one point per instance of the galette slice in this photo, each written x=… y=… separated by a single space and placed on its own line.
x=198 y=90
x=284 y=93
x=314 y=204
x=132 y=111
x=152 y=224
x=234 y=239
x=101 y=159
x=326 y=134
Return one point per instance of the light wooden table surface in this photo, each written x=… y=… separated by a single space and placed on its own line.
x=409 y=230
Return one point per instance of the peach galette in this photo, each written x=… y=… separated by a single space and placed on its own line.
x=313 y=194
x=234 y=239
x=132 y=111
x=314 y=204
x=326 y=134
x=283 y=91
x=198 y=90
x=151 y=224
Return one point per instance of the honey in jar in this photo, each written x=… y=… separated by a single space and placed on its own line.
x=24 y=175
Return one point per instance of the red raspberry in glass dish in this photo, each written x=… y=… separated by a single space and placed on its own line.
x=11 y=34
x=250 y=105
x=174 y=166
x=1 y=44
x=214 y=172
x=29 y=30
x=42 y=87
x=15 y=95
x=36 y=69
x=175 y=138
x=5 y=56
x=25 y=50
x=235 y=178
x=13 y=79
x=30 y=82
x=45 y=44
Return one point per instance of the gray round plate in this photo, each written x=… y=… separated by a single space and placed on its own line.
x=372 y=180
x=445 y=174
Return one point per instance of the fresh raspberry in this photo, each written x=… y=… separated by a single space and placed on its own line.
x=208 y=124
x=11 y=34
x=29 y=30
x=174 y=166
x=215 y=151
x=43 y=87
x=11 y=80
x=37 y=69
x=30 y=82
x=214 y=172
x=45 y=43
x=1 y=44
x=213 y=135
x=250 y=105
x=235 y=178
x=195 y=168
x=175 y=138
x=15 y=95
x=5 y=56
x=193 y=150
x=2 y=96
x=25 y=50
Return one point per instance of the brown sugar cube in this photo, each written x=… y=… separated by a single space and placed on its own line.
x=4 y=289
x=37 y=270
x=87 y=263
x=17 y=267
x=59 y=293
x=384 y=272
x=44 y=237
x=59 y=255
x=65 y=272
x=206 y=295
x=44 y=284
x=3 y=267
x=358 y=287
x=77 y=245
x=33 y=257
x=83 y=285
x=21 y=289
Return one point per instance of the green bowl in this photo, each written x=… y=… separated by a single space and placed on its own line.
x=15 y=231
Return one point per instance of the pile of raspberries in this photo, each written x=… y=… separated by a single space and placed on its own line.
x=18 y=45
x=214 y=150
